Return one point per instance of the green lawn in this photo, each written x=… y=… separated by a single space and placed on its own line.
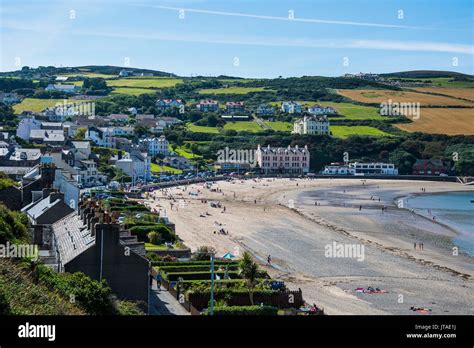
x=280 y=126
x=144 y=82
x=184 y=152
x=243 y=126
x=38 y=105
x=132 y=91
x=346 y=131
x=201 y=129
x=149 y=247
x=355 y=112
x=157 y=169
x=233 y=90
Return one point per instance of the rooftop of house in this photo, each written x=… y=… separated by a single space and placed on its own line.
x=21 y=154
x=283 y=150
x=35 y=209
x=47 y=135
x=72 y=237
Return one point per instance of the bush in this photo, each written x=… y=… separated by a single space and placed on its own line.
x=4 y=304
x=13 y=226
x=203 y=253
x=154 y=238
x=92 y=296
x=243 y=310
x=142 y=231
x=174 y=276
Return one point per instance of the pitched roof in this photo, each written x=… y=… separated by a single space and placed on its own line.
x=72 y=237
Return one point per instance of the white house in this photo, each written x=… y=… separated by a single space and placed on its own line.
x=155 y=146
x=317 y=109
x=25 y=127
x=135 y=164
x=360 y=169
x=104 y=136
x=279 y=160
x=311 y=125
x=291 y=107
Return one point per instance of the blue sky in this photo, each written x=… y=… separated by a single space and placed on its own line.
x=245 y=38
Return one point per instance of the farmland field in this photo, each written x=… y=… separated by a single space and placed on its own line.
x=442 y=121
x=463 y=93
x=280 y=126
x=441 y=82
x=355 y=112
x=243 y=126
x=90 y=75
x=38 y=105
x=201 y=129
x=346 y=131
x=233 y=90
x=379 y=96
x=144 y=82
x=132 y=91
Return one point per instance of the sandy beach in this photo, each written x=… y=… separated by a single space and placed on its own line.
x=294 y=221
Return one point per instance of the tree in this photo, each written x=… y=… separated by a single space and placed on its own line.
x=203 y=253
x=154 y=238
x=80 y=134
x=248 y=270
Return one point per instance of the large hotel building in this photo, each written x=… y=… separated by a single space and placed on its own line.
x=283 y=160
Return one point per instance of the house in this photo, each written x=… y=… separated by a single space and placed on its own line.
x=81 y=149
x=234 y=107
x=9 y=98
x=118 y=119
x=208 y=106
x=155 y=146
x=124 y=73
x=47 y=136
x=291 y=107
x=372 y=168
x=132 y=110
x=14 y=156
x=317 y=109
x=91 y=242
x=122 y=143
x=166 y=104
x=65 y=110
x=430 y=167
x=26 y=125
x=290 y=160
x=141 y=117
x=106 y=136
x=47 y=209
x=62 y=88
x=136 y=165
x=179 y=162
x=265 y=110
x=311 y=125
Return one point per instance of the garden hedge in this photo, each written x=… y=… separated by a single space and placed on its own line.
x=244 y=310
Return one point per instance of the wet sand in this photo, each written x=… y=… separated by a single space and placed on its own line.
x=280 y=218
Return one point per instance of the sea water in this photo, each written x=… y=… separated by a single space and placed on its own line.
x=453 y=209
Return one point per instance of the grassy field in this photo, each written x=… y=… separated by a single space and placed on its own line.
x=184 y=152
x=233 y=90
x=144 y=82
x=243 y=126
x=346 y=131
x=382 y=96
x=38 y=105
x=280 y=126
x=157 y=169
x=463 y=93
x=201 y=129
x=355 y=112
x=442 y=82
x=90 y=75
x=442 y=121
x=132 y=91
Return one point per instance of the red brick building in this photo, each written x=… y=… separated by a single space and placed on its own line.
x=430 y=167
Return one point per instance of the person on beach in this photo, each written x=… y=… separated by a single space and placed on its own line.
x=269 y=259
x=360 y=207
x=414 y=246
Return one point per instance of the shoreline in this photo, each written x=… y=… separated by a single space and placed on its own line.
x=259 y=220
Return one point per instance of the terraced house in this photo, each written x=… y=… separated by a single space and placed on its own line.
x=166 y=104
x=279 y=160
